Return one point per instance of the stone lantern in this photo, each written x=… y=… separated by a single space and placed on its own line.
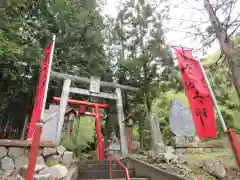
x=129 y=126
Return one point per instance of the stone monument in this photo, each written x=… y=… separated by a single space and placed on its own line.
x=114 y=146
x=157 y=141
x=181 y=121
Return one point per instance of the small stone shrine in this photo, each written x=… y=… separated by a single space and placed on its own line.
x=114 y=146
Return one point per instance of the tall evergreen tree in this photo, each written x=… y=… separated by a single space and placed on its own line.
x=142 y=53
x=27 y=27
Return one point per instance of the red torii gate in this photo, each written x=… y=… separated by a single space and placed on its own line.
x=93 y=91
x=96 y=114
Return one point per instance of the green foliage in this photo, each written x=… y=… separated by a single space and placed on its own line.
x=26 y=27
x=51 y=163
x=141 y=56
x=80 y=43
x=135 y=133
x=83 y=133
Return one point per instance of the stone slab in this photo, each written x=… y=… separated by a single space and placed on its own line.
x=20 y=161
x=49 y=151
x=67 y=158
x=7 y=164
x=43 y=177
x=183 y=142
x=16 y=151
x=3 y=151
x=40 y=160
x=57 y=171
x=24 y=143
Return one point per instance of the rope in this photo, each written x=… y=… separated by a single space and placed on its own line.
x=50 y=118
x=29 y=142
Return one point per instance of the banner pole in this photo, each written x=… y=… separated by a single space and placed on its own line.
x=213 y=97
x=38 y=130
x=48 y=76
x=232 y=136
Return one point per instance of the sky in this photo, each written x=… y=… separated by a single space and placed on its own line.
x=178 y=32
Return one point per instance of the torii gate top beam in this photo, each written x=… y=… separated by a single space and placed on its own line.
x=73 y=101
x=85 y=80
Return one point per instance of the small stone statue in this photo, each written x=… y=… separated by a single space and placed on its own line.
x=113 y=145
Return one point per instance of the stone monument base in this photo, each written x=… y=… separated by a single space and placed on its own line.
x=191 y=145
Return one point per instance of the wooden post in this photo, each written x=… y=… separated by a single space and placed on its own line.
x=123 y=134
x=62 y=108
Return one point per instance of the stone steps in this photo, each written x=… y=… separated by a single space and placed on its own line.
x=99 y=162
x=120 y=179
x=100 y=170
x=88 y=167
x=104 y=174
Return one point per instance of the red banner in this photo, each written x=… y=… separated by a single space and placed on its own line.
x=198 y=94
x=36 y=115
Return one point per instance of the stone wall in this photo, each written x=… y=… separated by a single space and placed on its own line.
x=51 y=161
x=191 y=150
x=186 y=145
x=143 y=169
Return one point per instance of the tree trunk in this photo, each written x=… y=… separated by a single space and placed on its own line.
x=226 y=46
x=235 y=63
x=24 y=127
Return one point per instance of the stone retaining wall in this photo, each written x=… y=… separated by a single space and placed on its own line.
x=191 y=150
x=143 y=169
x=14 y=156
x=184 y=145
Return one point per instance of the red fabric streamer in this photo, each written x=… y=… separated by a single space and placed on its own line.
x=198 y=94
x=36 y=115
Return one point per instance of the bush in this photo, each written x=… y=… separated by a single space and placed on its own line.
x=83 y=132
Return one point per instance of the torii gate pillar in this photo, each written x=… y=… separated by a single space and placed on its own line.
x=123 y=133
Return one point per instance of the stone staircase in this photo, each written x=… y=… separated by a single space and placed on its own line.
x=100 y=170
